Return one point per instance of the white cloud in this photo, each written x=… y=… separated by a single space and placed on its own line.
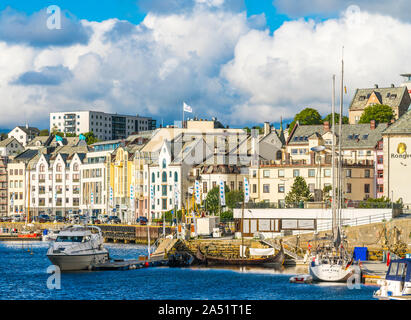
x=220 y=62
x=292 y=69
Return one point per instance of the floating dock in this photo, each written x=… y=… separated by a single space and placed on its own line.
x=128 y=264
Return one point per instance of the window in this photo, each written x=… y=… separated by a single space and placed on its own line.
x=348 y=188
x=348 y=173
x=380 y=188
x=164 y=204
x=266 y=188
x=254 y=188
x=240 y=185
x=266 y=173
x=204 y=187
x=153 y=177
x=164 y=191
x=327 y=172
x=281 y=173
x=164 y=177
x=175 y=177
x=296 y=173
x=311 y=172
x=279 y=155
x=164 y=163
x=294 y=151
x=281 y=188
x=254 y=173
x=367 y=173
x=380 y=174
x=366 y=188
x=232 y=187
x=380 y=159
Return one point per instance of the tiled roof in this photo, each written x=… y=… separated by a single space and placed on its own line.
x=353 y=135
x=6 y=142
x=402 y=125
x=392 y=97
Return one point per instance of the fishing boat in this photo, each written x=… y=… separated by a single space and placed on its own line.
x=277 y=259
x=397 y=282
x=78 y=248
x=330 y=261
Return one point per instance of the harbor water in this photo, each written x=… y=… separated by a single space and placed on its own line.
x=24 y=277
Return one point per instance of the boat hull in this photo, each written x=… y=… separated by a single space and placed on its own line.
x=330 y=273
x=77 y=262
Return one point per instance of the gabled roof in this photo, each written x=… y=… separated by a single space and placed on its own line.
x=402 y=125
x=29 y=130
x=6 y=142
x=353 y=135
x=393 y=97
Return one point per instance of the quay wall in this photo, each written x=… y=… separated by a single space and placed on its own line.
x=373 y=236
x=111 y=233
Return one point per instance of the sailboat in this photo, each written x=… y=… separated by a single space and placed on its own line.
x=330 y=261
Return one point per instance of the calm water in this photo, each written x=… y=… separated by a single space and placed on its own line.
x=23 y=276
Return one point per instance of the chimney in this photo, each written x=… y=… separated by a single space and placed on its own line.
x=376 y=86
x=326 y=126
x=372 y=124
x=267 y=128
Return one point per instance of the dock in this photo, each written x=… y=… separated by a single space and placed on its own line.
x=16 y=238
x=373 y=271
x=129 y=264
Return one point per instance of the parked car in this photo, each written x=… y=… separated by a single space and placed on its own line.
x=94 y=220
x=59 y=219
x=114 y=219
x=103 y=218
x=142 y=220
x=6 y=219
x=44 y=218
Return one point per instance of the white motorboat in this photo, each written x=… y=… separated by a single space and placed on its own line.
x=331 y=269
x=397 y=282
x=78 y=248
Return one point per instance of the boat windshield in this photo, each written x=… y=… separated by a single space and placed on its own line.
x=69 y=239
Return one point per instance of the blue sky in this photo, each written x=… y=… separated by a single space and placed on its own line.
x=243 y=61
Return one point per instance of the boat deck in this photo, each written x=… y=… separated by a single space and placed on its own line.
x=129 y=264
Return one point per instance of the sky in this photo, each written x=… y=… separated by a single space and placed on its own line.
x=241 y=61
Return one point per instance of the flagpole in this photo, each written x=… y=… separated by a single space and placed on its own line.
x=182 y=123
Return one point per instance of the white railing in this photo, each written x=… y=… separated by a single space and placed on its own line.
x=326 y=226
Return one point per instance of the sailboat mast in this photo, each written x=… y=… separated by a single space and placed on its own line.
x=340 y=199
x=333 y=184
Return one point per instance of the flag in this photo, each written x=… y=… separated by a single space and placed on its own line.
x=222 y=193
x=187 y=108
x=58 y=138
x=246 y=190
x=82 y=137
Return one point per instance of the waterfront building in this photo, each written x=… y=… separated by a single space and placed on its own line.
x=397 y=159
x=24 y=134
x=17 y=188
x=105 y=126
x=3 y=186
x=398 y=98
x=10 y=147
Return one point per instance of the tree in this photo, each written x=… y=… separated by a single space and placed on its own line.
x=3 y=136
x=306 y=116
x=336 y=118
x=90 y=138
x=234 y=197
x=70 y=135
x=169 y=216
x=381 y=113
x=226 y=216
x=299 y=192
x=44 y=133
x=213 y=199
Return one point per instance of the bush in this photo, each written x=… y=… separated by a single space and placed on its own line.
x=226 y=216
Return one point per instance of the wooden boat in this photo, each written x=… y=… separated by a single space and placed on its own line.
x=210 y=260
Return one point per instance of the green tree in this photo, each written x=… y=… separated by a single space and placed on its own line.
x=247 y=129
x=3 y=136
x=169 y=215
x=382 y=202
x=381 y=113
x=71 y=135
x=336 y=119
x=213 y=199
x=44 y=132
x=306 y=116
x=226 y=216
x=90 y=138
x=234 y=197
x=60 y=134
x=299 y=192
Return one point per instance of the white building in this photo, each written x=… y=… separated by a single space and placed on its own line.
x=24 y=134
x=55 y=184
x=105 y=126
x=95 y=186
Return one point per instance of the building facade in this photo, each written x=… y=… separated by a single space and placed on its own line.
x=397 y=160
x=24 y=134
x=105 y=126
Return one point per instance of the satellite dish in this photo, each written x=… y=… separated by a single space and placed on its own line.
x=318 y=148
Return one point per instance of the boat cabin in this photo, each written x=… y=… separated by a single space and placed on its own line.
x=399 y=270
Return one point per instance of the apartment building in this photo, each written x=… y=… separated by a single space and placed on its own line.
x=3 y=186
x=105 y=126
